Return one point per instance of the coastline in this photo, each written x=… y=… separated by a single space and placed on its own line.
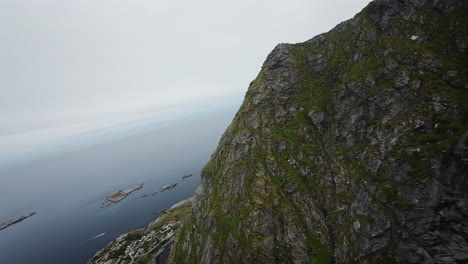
x=145 y=243
x=176 y=205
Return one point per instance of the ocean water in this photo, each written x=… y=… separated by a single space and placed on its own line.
x=67 y=189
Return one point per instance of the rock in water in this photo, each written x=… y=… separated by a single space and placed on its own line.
x=349 y=147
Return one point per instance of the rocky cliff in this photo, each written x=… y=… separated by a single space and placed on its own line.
x=349 y=147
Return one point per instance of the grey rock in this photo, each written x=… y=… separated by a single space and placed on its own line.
x=462 y=43
x=349 y=148
x=402 y=79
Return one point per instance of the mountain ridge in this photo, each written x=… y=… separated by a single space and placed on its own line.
x=349 y=147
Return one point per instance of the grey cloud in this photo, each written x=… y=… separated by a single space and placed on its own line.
x=65 y=58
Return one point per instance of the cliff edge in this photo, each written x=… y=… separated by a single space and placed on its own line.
x=349 y=147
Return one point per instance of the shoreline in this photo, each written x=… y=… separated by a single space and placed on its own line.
x=129 y=246
x=178 y=204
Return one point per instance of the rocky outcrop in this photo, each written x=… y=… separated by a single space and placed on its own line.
x=349 y=147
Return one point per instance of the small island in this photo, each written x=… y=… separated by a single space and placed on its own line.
x=167 y=187
x=120 y=195
x=15 y=221
x=187 y=176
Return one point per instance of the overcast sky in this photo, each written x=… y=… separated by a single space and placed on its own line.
x=70 y=59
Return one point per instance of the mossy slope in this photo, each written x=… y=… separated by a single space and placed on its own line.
x=348 y=148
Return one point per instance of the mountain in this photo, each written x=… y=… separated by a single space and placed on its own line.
x=351 y=147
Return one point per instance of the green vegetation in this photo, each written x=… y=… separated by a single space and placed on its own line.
x=117 y=253
x=134 y=235
x=180 y=213
x=307 y=169
x=209 y=167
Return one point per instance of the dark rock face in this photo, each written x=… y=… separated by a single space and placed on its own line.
x=349 y=147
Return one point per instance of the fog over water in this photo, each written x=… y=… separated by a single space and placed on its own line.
x=48 y=139
x=67 y=188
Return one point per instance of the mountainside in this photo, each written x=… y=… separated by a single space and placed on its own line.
x=349 y=147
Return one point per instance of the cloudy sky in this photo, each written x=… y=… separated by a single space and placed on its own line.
x=65 y=61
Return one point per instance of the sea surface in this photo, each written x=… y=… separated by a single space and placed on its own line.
x=66 y=189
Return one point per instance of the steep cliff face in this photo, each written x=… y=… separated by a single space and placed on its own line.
x=349 y=147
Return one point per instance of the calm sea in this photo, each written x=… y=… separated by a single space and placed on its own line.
x=66 y=190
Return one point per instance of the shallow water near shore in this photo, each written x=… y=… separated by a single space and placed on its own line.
x=67 y=190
